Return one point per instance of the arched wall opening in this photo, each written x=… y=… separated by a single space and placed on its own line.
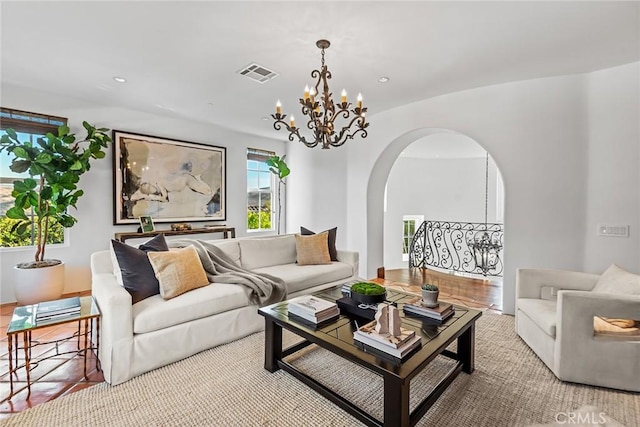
x=445 y=178
x=376 y=190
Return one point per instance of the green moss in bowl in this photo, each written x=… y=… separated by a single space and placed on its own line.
x=368 y=293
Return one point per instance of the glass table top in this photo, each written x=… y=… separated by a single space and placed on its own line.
x=24 y=317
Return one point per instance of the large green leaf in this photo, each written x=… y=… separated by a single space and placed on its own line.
x=16 y=213
x=20 y=152
x=43 y=158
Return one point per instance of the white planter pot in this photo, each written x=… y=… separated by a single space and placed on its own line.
x=35 y=285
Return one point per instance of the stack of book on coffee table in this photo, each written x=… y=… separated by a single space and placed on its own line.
x=49 y=311
x=440 y=313
x=398 y=347
x=313 y=309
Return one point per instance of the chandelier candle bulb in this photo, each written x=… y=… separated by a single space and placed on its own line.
x=293 y=121
x=359 y=103
x=306 y=92
x=344 y=96
x=278 y=107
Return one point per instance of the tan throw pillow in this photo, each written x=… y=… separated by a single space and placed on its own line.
x=313 y=250
x=602 y=327
x=178 y=271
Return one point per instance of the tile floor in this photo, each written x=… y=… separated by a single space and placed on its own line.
x=54 y=377
x=63 y=374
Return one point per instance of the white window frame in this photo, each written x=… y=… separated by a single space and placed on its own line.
x=253 y=155
x=418 y=220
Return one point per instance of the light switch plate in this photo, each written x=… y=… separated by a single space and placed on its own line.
x=613 y=230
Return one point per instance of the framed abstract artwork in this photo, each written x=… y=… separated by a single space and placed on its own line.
x=167 y=180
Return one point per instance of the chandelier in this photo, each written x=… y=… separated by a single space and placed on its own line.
x=485 y=247
x=322 y=113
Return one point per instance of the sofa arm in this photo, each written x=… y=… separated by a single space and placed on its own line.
x=352 y=258
x=580 y=356
x=530 y=282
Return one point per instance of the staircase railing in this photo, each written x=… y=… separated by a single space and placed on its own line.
x=443 y=244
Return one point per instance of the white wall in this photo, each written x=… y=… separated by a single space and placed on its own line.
x=538 y=133
x=95 y=210
x=316 y=190
x=613 y=180
x=439 y=189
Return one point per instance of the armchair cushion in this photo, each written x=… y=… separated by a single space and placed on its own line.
x=541 y=312
x=616 y=280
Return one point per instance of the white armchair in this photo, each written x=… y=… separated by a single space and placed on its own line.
x=555 y=316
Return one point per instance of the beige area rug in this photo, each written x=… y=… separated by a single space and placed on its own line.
x=228 y=386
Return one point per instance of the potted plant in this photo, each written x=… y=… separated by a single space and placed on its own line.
x=368 y=293
x=430 y=295
x=279 y=168
x=54 y=164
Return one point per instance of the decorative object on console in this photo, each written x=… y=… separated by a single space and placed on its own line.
x=430 y=295
x=368 y=293
x=279 y=168
x=54 y=165
x=323 y=113
x=484 y=246
x=181 y=226
x=331 y=241
x=312 y=250
x=133 y=270
x=388 y=320
x=167 y=179
x=146 y=224
x=178 y=271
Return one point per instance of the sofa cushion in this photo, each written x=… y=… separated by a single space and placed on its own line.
x=230 y=247
x=331 y=241
x=299 y=277
x=178 y=271
x=265 y=252
x=154 y=313
x=134 y=272
x=541 y=312
x=313 y=249
x=616 y=280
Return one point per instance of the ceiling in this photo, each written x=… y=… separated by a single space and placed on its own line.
x=181 y=58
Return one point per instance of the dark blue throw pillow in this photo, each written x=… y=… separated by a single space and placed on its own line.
x=138 y=276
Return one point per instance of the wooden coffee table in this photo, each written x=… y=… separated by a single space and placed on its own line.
x=337 y=337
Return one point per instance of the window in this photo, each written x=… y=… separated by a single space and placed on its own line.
x=410 y=223
x=260 y=185
x=29 y=126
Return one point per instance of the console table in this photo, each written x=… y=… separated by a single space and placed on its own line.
x=229 y=233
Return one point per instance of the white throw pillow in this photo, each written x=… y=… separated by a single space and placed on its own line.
x=616 y=280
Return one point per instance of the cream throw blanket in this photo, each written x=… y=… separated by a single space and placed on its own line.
x=265 y=289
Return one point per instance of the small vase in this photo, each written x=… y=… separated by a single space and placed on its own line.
x=430 y=298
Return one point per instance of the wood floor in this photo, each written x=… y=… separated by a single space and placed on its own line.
x=63 y=374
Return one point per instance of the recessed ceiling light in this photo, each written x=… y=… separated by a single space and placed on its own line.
x=120 y=79
x=383 y=79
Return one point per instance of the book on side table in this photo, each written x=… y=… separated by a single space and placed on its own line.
x=441 y=312
x=52 y=310
x=313 y=309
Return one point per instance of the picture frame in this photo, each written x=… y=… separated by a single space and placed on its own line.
x=146 y=224
x=166 y=179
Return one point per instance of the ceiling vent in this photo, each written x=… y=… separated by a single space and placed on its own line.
x=258 y=73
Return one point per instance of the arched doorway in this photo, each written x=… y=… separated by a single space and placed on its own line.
x=472 y=173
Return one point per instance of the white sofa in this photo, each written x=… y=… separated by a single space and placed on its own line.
x=555 y=313
x=153 y=332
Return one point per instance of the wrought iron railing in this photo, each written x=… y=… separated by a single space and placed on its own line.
x=444 y=244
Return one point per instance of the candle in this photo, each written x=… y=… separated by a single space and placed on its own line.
x=306 y=92
x=359 y=104
x=344 y=96
x=312 y=94
x=293 y=121
x=278 y=107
